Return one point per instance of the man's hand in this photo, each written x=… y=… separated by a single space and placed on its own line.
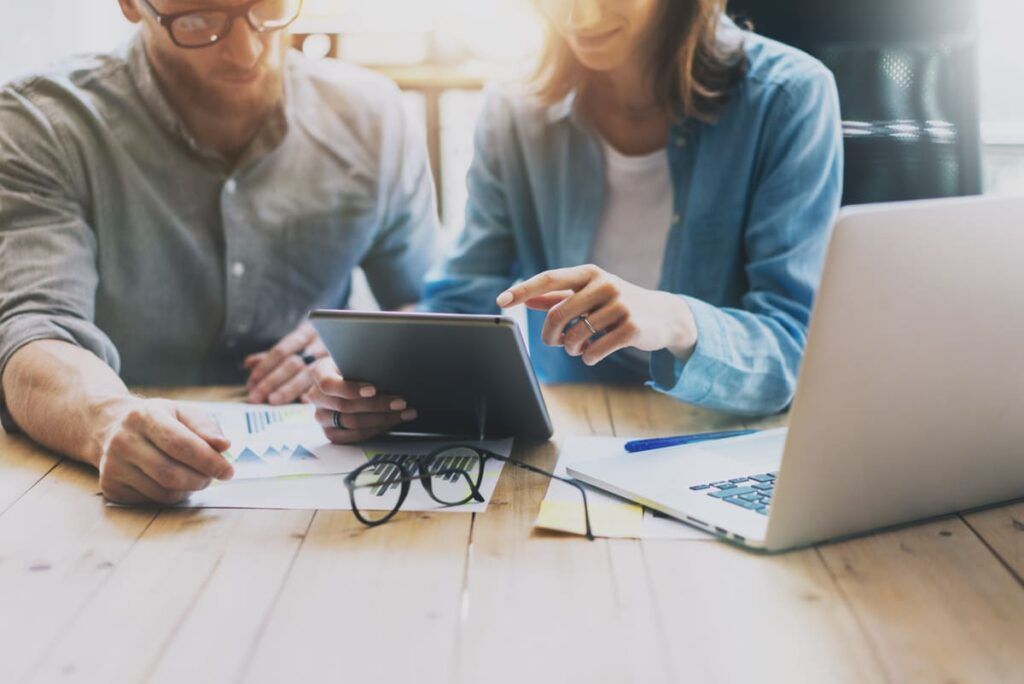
x=620 y=313
x=157 y=452
x=282 y=375
x=353 y=412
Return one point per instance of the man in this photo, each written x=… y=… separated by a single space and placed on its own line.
x=171 y=212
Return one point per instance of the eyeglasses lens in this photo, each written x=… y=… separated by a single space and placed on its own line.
x=377 y=490
x=455 y=474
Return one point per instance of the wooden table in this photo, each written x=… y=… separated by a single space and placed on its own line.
x=91 y=593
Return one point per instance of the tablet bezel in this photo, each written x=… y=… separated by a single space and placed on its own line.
x=537 y=413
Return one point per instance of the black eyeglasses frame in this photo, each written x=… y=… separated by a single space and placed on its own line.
x=232 y=14
x=423 y=464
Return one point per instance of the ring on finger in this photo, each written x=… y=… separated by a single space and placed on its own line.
x=586 y=322
x=307 y=358
x=336 y=421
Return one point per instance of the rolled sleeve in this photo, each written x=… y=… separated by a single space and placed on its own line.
x=47 y=250
x=406 y=247
x=747 y=358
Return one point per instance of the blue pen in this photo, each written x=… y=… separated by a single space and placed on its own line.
x=663 y=442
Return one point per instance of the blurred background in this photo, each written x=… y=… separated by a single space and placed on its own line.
x=441 y=52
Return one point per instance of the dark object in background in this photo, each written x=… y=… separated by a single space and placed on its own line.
x=907 y=72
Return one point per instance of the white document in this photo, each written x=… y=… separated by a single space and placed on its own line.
x=610 y=516
x=272 y=441
x=328 y=492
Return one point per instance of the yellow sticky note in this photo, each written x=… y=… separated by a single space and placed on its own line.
x=607 y=519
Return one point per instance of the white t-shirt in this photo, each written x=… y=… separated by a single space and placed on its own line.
x=637 y=216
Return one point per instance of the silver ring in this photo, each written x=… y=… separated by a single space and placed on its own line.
x=590 y=326
x=337 y=421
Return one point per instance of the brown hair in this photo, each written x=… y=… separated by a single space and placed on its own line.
x=693 y=70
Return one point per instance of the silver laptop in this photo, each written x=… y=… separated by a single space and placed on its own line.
x=910 y=398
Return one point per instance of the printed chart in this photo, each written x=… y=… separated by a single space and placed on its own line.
x=274 y=441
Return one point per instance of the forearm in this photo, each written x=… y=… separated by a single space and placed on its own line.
x=61 y=396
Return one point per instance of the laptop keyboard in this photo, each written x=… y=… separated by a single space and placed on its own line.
x=753 y=493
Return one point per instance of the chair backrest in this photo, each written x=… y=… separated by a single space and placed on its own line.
x=907 y=72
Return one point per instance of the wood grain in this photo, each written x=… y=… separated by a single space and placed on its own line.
x=567 y=608
x=22 y=466
x=195 y=587
x=733 y=615
x=936 y=603
x=361 y=604
x=95 y=593
x=1002 y=530
x=58 y=546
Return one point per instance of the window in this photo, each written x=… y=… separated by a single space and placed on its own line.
x=74 y=26
x=1002 y=72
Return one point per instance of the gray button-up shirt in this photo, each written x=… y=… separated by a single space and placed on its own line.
x=117 y=233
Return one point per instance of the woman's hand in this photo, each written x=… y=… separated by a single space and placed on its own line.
x=622 y=314
x=351 y=412
x=282 y=374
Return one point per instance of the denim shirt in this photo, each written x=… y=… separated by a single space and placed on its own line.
x=756 y=193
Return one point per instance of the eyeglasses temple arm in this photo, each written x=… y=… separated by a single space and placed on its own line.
x=568 y=481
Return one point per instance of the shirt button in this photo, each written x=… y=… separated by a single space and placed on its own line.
x=676 y=218
x=680 y=141
x=238 y=269
x=231 y=343
x=231 y=186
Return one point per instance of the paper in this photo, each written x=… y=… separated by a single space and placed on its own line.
x=273 y=441
x=328 y=492
x=610 y=516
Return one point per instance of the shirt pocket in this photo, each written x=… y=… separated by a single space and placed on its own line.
x=321 y=252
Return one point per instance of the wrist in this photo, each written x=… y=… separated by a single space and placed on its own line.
x=682 y=329
x=104 y=414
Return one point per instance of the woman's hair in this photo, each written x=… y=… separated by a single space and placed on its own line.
x=693 y=70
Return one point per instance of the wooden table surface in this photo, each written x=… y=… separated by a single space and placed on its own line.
x=91 y=593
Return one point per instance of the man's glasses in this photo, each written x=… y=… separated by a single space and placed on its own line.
x=205 y=27
x=451 y=476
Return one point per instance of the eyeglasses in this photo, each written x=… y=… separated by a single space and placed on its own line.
x=203 y=28
x=452 y=476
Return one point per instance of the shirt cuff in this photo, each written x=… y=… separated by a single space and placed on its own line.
x=692 y=381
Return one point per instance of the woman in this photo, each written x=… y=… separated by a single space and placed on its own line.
x=666 y=190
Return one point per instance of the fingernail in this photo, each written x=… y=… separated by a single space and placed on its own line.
x=409 y=415
x=505 y=298
x=398 y=405
x=367 y=391
x=254 y=398
x=226 y=474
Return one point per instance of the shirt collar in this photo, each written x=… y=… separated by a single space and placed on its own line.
x=566 y=109
x=152 y=96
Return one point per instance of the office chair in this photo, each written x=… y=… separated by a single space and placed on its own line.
x=907 y=72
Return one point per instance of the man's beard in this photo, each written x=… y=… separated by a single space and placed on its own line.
x=218 y=98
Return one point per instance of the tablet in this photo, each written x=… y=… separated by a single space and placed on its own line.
x=466 y=376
